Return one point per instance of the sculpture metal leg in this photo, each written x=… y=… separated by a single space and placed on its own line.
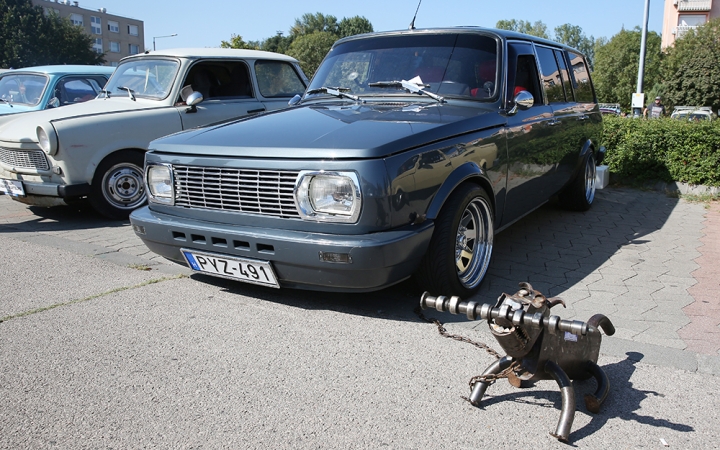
x=480 y=387
x=593 y=401
x=567 y=414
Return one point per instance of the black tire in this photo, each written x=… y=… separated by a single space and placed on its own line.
x=118 y=188
x=461 y=246
x=580 y=193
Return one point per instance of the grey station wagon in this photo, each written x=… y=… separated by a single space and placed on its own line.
x=405 y=155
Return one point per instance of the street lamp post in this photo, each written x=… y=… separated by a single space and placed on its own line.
x=158 y=37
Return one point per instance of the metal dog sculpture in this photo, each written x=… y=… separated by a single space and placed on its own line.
x=538 y=346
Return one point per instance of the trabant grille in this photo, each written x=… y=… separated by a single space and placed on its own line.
x=263 y=192
x=23 y=159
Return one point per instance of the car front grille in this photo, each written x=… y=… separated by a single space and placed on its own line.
x=23 y=159
x=263 y=192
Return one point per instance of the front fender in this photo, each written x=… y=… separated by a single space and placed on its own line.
x=469 y=171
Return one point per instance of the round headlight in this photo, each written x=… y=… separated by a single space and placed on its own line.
x=47 y=139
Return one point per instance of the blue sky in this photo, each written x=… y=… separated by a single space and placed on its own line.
x=205 y=23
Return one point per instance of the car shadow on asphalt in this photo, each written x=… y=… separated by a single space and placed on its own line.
x=553 y=249
x=623 y=401
x=77 y=216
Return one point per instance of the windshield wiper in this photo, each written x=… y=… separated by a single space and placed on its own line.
x=129 y=91
x=409 y=86
x=336 y=91
x=3 y=100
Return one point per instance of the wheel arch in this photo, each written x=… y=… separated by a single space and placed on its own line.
x=99 y=159
x=469 y=172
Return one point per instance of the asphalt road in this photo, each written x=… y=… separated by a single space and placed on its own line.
x=99 y=352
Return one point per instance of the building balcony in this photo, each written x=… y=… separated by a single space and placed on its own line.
x=680 y=30
x=693 y=5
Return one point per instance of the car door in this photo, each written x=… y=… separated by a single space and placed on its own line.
x=529 y=136
x=227 y=93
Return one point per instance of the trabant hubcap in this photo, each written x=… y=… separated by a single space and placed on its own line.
x=123 y=186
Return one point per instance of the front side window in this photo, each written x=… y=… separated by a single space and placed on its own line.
x=147 y=78
x=459 y=65
x=278 y=79
x=72 y=90
x=24 y=89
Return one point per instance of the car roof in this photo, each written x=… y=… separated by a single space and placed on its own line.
x=504 y=34
x=64 y=69
x=214 y=53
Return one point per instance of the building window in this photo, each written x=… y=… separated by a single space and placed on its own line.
x=133 y=30
x=76 y=19
x=97 y=46
x=114 y=47
x=113 y=27
x=113 y=63
x=96 y=25
x=133 y=49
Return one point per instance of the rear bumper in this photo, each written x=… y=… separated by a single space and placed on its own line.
x=378 y=260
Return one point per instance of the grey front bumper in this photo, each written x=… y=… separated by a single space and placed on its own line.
x=378 y=259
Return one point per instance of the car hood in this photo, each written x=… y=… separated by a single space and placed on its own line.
x=19 y=128
x=336 y=131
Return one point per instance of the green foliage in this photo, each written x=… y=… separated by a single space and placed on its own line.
x=538 y=28
x=29 y=38
x=663 y=149
x=691 y=70
x=617 y=62
x=236 y=41
x=354 y=25
x=310 y=49
x=312 y=23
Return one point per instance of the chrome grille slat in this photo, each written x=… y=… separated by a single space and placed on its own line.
x=263 y=192
x=24 y=159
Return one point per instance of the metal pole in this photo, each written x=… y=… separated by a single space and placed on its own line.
x=641 y=69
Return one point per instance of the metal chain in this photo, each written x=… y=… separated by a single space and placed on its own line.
x=489 y=378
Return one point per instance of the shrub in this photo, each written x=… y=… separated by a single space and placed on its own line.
x=663 y=149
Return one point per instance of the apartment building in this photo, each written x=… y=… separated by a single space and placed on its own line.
x=681 y=16
x=116 y=36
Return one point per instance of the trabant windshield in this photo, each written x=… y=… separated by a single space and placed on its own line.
x=22 y=89
x=146 y=78
x=451 y=65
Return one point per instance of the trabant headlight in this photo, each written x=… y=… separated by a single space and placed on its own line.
x=47 y=138
x=328 y=196
x=159 y=180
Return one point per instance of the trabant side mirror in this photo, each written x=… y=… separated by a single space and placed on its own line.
x=523 y=101
x=295 y=100
x=192 y=101
x=53 y=103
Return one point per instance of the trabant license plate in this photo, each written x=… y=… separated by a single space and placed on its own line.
x=12 y=187
x=242 y=269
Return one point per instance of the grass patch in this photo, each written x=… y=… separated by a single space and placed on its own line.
x=140 y=267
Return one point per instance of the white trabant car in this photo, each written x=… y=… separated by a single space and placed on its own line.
x=96 y=149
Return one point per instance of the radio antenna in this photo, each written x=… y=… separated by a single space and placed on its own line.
x=412 y=24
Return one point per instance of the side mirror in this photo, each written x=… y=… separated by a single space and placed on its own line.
x=192 y=101
x=295 y=100
x=53 y=103
x=523 y=100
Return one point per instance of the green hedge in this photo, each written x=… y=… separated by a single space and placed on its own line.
x=663 y=149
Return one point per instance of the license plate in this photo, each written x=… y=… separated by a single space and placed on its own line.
x=242 y=269
x=12 y=187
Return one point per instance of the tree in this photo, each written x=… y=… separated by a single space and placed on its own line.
x=311 y=23
x=30 y=38
x=573 y=36
x=538 y=28
x=617 y=62
x=690 y=70
x=354 y=25
x=236 y=41
x=310 y=49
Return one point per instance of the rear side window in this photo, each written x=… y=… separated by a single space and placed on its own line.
x=551 y=76
x=278 y=79
x=581 y=79
x=567 y=84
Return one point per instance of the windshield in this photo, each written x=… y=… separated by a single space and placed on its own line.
x=146 y=78
x=451 y=65
x=23 y=89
